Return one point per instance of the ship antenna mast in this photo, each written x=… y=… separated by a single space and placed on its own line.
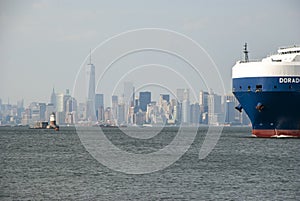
x=246 y=53
x=90 y=56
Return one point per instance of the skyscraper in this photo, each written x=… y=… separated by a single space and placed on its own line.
x=195 y=114
x=144 y=99
x=128 y=99
x=99 y=100
x=42 y=107
x=185 y=111
x=66 y=97
x=108 y=115
x=53 y=98
x=186 y=94
x=70 y=110
x=114 y=106
x=180 y=94
x=121 y=113
x=203 y=101
x=214 y=108
x=229 y=111
x=99 y=106
x=165 y=97
x=71 y=104
x=90 y=78
x=20 y=108
x=60 y=108
x=59 y=102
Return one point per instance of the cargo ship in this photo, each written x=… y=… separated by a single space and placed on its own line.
x=269 y=92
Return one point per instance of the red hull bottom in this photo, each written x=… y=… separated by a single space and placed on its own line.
x=275 y=133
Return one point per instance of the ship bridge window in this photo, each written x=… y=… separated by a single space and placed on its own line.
x=258 y=88
x=276 y=60
x=290 y=52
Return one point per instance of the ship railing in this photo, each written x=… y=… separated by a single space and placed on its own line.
x=252 y=60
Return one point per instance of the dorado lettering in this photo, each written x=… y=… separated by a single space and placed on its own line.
x=289 y=80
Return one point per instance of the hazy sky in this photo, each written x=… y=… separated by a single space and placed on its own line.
x=44 y=43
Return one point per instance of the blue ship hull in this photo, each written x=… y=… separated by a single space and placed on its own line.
x=271 y=103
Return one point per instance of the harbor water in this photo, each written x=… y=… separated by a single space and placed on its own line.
x=39 y=164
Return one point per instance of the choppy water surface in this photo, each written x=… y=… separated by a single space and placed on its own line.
x=46 y=165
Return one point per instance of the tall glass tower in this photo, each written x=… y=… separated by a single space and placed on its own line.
x=99 y=106
x=144 y=99
x=90 y=78
x=53 y=98
x=90 y=75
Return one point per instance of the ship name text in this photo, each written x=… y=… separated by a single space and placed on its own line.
x=287 y=80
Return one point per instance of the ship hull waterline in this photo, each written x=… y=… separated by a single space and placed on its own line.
x=274 y=133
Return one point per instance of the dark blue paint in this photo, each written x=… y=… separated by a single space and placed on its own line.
x=281 y=104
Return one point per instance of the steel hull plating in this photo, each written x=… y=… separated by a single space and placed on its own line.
x=274 y=110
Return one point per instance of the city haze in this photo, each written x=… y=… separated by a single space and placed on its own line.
x=43 y=43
